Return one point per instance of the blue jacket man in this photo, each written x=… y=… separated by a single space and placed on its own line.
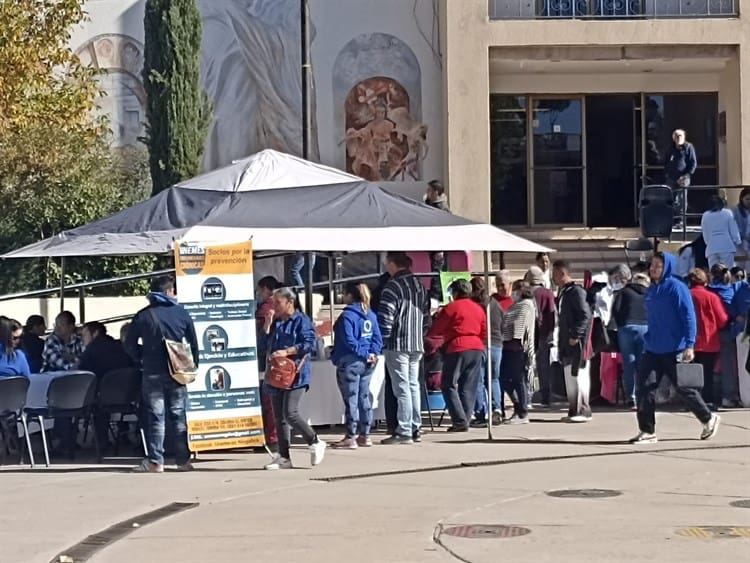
x=163 y=318
x=672 y=329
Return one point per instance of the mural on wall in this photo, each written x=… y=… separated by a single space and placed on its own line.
x=251 y=71
x=121 y=57
x=378 y=108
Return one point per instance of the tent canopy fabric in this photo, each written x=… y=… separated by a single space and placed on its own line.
x=267 y=170
x=282 y=203
x=353 y=217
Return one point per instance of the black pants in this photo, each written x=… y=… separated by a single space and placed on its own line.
x=513 y=374
x=390 y=403
x=711 y=385
x=461 y=373
x=286 y=414
x=653 y=367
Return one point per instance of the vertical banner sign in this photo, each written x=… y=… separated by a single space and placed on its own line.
x=215 y=285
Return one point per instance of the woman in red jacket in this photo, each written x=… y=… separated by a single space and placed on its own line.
x=712 y=317
x=462 y=324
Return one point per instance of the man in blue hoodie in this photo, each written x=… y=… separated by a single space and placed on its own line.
x=163 y=318
x=672 y=328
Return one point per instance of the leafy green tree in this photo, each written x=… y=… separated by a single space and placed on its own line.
x=177 y=110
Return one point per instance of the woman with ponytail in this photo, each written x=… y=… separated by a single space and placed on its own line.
x=723 y=286
x=356 y=346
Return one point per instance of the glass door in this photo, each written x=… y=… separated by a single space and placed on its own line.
x=557 y=161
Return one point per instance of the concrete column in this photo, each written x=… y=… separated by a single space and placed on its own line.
x=744 y=103
x=466 y=99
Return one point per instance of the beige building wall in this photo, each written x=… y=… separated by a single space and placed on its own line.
x=472 y=41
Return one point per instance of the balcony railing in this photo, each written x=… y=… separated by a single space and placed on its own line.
x=612 y=9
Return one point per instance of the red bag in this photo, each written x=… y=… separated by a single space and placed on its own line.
x=282 y=371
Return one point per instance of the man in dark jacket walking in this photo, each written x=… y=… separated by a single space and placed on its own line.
x=163 y=318
x=672 y=330
x=573 y=341
x=680 y=164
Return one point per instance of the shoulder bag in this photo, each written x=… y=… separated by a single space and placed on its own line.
x=182 y=366
x=282 y=371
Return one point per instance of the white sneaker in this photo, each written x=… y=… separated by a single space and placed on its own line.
x=579 y=418
x=711 y=427
x=317 y=452
x=644 y=438
x=278 y=462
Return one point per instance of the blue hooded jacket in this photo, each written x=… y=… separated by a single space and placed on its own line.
x=356 y=333
x=298 y=331
x=11 y=367
x=672 y=324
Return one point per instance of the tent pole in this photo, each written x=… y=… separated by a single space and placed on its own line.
x=306 y=78
x=62 y=284
x=331 y=291
x=309 y=286
x=489 y=348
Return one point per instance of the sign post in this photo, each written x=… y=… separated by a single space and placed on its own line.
x=215 y=285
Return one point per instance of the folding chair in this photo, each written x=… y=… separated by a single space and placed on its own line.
x=13 y=392
x=68 y=396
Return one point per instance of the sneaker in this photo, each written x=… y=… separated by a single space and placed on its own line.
x=397 y=440
x=364 y=442
x=317 y=452
x=346 y=444
x=711 y=427
x=458 y=429
x=497 y=418
x=478 y=424
x=185 y=467
x=519 y=420
x=278 y=462
x=147 y=466
x=417 y=436
x=644 y=438
x=579 y=418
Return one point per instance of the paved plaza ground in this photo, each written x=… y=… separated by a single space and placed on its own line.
x=400 y=503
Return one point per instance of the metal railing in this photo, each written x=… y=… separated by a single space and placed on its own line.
x=612 y=9
x=690 y=220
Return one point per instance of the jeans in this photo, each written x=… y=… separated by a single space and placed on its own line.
x=286 y=414
x=480 y=405
x=354 y=377
x=544 y=370
x=711 y=392
x=653 y=367
x=296 y=267
x=390 y=404
x=577 y=383
x=514 y=380
x=730 y=383
x=164 y=399
x=726 y=258
x=461 y=373
x=631 y=341
x=404 y=370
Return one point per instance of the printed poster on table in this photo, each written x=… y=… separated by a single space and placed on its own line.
x=215 y=285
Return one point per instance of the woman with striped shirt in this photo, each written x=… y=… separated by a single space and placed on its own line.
x=519 y=324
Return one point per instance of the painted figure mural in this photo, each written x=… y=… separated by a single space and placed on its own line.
x=377 y=83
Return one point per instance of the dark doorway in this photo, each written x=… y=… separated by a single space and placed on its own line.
x=610 y=160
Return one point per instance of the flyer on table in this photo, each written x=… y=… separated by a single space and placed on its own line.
x=215 y=285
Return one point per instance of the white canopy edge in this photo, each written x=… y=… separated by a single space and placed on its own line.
x=477 y=237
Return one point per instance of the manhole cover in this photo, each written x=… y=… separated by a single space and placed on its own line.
x=486 y=532
x=715 y=532
x=584 y=493
x=745 y=503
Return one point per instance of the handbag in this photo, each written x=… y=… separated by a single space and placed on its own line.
x=180 y=360
x=282 y=371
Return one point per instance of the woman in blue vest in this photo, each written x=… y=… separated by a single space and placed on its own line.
x=12 y=361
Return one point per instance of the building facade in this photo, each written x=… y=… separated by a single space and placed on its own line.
x=558 y=111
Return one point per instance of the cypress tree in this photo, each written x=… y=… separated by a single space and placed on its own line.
x=177 y=108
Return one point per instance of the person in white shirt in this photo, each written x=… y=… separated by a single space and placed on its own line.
x=543 y=261
x=720 y=233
